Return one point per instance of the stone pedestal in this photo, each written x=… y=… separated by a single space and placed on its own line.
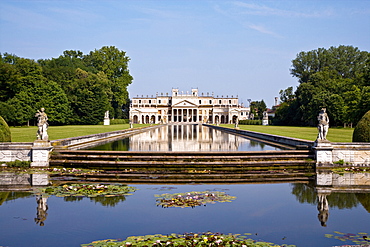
x=40 y=179
x=40 y=153
x=324 y=152
x=106 y=121
x=265 y=122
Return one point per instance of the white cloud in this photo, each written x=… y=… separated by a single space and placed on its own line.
x=255 y=9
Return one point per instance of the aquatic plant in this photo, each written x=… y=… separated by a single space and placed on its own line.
x=359 y=238
x=90 y=190
x=192 y=199
x=188 y=239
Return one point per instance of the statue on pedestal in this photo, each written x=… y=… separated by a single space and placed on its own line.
x=323 y=125
x=42 y=125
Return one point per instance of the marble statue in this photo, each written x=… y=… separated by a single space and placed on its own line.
x=42 y=124
x=323 y=125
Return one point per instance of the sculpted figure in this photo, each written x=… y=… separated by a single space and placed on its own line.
x=323 y=125
x=42 y=125
x=106 y=115
x=42 y=208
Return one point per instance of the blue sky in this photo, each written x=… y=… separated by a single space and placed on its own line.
x=242 y=48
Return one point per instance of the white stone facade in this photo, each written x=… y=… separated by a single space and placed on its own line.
x=186 y=107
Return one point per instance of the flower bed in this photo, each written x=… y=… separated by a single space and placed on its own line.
x=192 y=199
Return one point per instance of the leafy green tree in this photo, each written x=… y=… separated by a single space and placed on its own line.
x=91 y=97
x=257 y=108
x=114 y=63
x=335 y=78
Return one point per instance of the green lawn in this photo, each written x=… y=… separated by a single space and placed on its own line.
x=306 y=133
x=28 y=134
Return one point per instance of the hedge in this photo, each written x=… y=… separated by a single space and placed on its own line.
x=362 y=129
x=5 y=135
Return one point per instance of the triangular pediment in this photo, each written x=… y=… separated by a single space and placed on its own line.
x=184 y=103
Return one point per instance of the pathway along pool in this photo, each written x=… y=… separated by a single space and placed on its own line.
x=186 y=138
x=280 y=213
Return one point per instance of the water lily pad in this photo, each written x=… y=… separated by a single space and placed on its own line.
x=186 y=239
x=192 y=199
x=89 y=190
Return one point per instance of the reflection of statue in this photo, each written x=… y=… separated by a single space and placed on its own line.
x=323 y=125
x=42 y=207
x=323 y=208
x=42 y=125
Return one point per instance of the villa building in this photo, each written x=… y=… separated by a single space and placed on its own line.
x=187 y=107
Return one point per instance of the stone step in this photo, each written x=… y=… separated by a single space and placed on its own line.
x=180 y=158
x=191 y=178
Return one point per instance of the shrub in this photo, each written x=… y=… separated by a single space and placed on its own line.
x=5 y=135
x=250 y=122
x=362 y=130
x=117 y=121
x=18 y=163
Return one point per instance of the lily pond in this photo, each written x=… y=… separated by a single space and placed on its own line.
x=300 y=214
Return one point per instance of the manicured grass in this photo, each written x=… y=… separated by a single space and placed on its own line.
x=28 y=134
x=306 y=133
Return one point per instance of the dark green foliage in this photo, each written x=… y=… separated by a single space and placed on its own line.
x=362 y=130
x=336 y=78
x=18 y=163
x=73 y=88
x=117 y=121
x=250 y=122
x=5 y=135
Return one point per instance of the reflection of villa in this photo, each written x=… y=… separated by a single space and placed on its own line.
x=186 y=137
x=187 y=107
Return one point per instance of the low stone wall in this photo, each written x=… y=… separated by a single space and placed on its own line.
x=97 y=139
x=11 y=151
x=330 y=154
x=293 y=142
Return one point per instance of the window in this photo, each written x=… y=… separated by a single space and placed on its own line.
x=200 y=102
x=159 y=101
x=230 y=101
x=150 y=101
x=139 y=101
x=219 y=102
x=210 y=102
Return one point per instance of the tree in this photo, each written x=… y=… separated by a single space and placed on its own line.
x=257 y=108
x=287 y=94
x=334 y=78
x=91 y=97
x=114 y=63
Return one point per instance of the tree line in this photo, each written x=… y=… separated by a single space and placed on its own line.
x=337 y=79
x=74 y=88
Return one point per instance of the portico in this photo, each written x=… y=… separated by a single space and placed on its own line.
x=187 y=107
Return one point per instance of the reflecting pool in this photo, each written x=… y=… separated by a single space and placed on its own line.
x=300 y=213
x=186 y=138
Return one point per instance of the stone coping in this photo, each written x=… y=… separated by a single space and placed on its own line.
x=293 y=142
